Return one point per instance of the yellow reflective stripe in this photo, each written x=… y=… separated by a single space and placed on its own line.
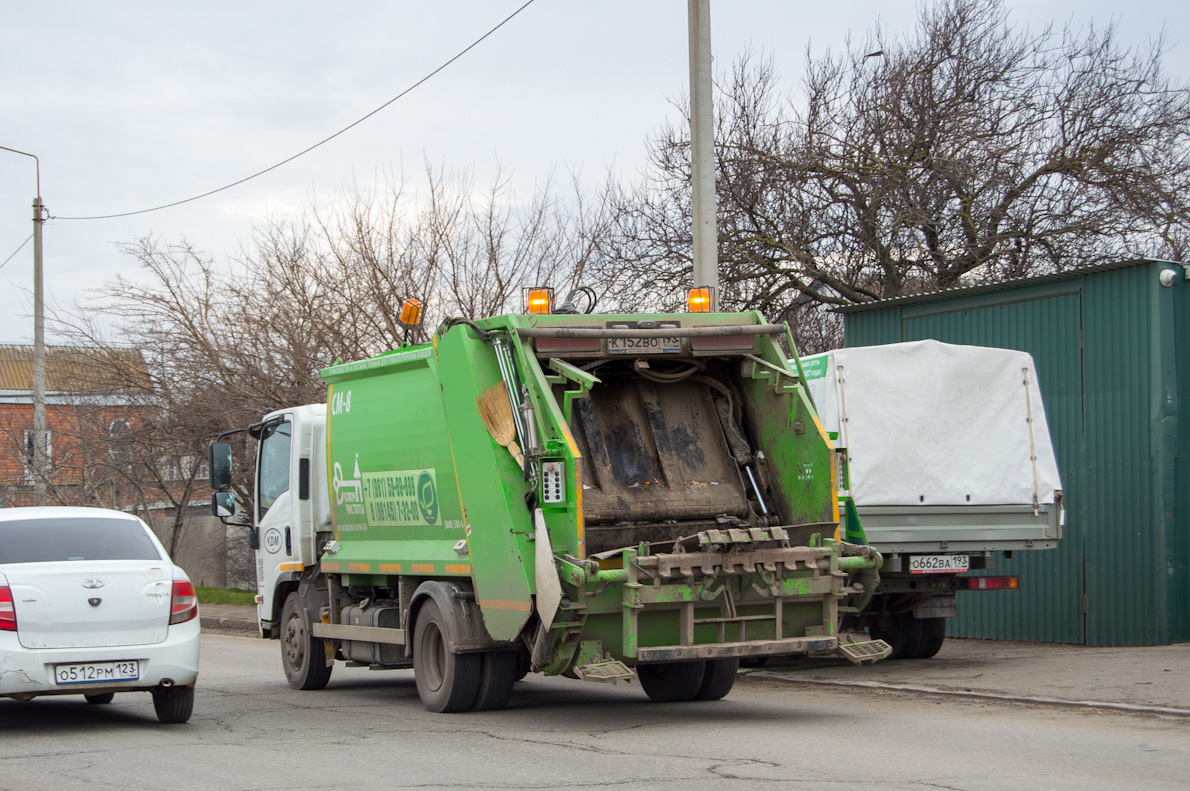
x=579 y=519
x=458 y=568
x=390 y=568
x=290 y=567
x=422 y=568
x=500 y=604
x=822 y=430
x=834 y=465
x=566 y=435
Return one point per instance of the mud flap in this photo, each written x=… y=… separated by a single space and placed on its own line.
x=549 y=588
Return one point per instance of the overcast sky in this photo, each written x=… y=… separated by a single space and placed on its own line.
x=134 y=104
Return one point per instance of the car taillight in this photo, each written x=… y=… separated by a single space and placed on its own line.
x=8 y=613
x=184 y=604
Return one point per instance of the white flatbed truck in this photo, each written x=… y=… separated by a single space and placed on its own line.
x=949 y=463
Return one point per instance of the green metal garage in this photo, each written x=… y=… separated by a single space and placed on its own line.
x=1112 y=349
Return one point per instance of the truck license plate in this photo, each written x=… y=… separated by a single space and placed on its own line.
x=644 y=345
x=97 y=672
x=939 y=564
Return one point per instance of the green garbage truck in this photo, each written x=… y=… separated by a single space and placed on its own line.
x=602 y=496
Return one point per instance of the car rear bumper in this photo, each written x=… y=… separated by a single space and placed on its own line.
x=26 y=673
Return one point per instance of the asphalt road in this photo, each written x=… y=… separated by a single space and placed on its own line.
x=367 y=730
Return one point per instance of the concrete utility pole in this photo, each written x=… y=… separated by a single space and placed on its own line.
x=702 y=151
x=40 y=461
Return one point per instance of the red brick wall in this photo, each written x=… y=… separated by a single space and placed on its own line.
x=83 y=468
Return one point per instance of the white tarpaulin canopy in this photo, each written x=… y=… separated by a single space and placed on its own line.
x=929 y=423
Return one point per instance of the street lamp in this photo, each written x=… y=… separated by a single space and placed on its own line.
x=40 y=465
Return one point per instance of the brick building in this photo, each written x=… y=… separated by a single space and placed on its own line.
x=94 y=399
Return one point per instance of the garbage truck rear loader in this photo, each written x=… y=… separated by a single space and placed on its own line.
x=599 y=496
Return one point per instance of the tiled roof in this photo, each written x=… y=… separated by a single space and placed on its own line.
x=74 y=369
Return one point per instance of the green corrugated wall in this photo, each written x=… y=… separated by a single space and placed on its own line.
x=1111 y=346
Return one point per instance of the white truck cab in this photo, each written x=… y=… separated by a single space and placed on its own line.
x=291 y=507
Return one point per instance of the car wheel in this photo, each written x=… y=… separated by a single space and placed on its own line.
x=497 y=675
x=302 y=655
x=671 y=682
x=100 y=697
x=446 y=682
x=718 y=679
x=173 y=704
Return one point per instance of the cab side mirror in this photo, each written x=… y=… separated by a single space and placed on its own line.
x=223 y=504
x=219 y=463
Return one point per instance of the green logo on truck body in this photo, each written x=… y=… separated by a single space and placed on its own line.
x=401 y=498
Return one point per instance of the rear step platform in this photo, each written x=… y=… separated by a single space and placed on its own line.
x=605 y=670
x=866 y=652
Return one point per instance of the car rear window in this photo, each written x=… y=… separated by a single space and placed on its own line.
x=39 y=540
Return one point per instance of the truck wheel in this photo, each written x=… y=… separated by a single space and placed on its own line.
x=901 y=631
x=933 y=633
x=497 y=675
x=446 y=682
x=523 y=664
x=672 y=682
x=102 y=697
x=173 y=704
x=302 y=656
x=718 y=680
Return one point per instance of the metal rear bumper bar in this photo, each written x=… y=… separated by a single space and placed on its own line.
x=792 y=645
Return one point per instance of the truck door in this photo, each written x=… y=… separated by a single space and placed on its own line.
x=274 y=511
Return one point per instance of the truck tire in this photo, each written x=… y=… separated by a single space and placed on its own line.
x=901 y=631
x=718 y=679
x=101 y=697
x=302 y=655
x=933 y=633
x=173 y=704
x=672 y=682
x=497 y=675
x=446 y=682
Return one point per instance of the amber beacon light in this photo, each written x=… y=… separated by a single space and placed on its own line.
x=410 y=313
x=410 y=317
x=539 y=301
x=699 y=300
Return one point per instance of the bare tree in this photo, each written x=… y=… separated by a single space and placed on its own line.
x=966 y=151
x=224 y=344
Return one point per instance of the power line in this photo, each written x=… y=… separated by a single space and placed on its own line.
x=14 y=252
x=356 y=123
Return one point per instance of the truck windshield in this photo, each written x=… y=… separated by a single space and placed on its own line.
x=41 y=540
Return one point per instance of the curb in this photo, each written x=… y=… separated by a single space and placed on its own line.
x=218 y=624
x=1131 y=708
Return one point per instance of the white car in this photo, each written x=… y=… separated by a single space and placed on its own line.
x=91 y=604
